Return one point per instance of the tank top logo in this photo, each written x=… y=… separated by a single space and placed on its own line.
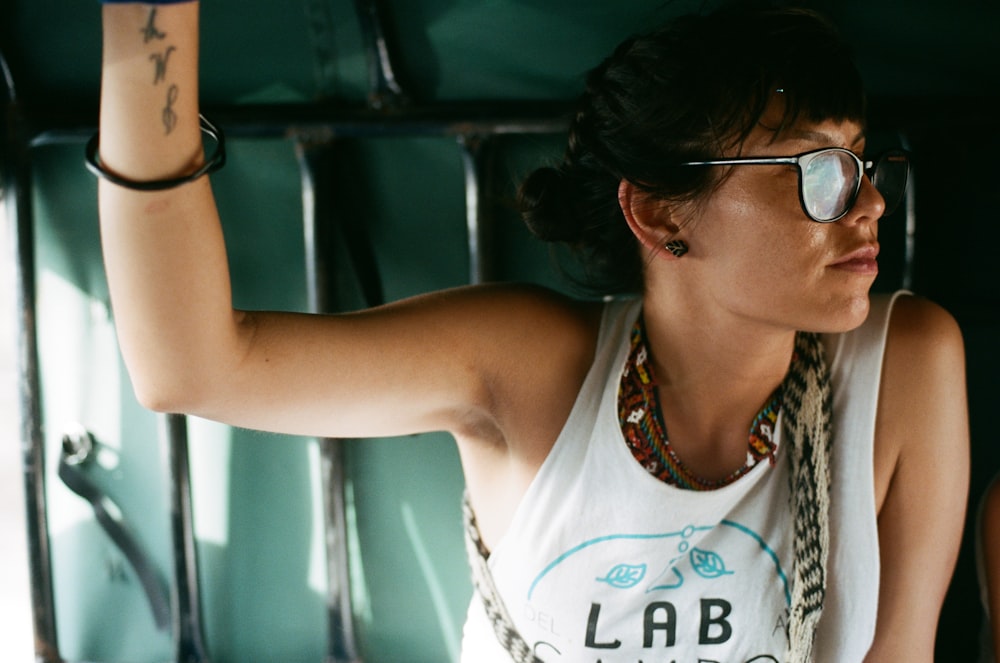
x=695 y=594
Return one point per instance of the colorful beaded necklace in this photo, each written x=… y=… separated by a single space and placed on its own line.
x=642 y=424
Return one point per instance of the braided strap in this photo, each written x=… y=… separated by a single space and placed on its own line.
x=808 y=413
x=482 y=580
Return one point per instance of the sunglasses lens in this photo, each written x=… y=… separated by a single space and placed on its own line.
x=889 y=177
x=829 y=184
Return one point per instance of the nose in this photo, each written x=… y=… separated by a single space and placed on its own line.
x=868 y=206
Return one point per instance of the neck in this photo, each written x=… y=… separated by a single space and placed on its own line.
x=714 y=372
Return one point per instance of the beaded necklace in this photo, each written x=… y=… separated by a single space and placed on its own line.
x=642 y=424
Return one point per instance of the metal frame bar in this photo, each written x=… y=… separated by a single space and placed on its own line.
x=185 y=594
x=17 y=196
x=385 y=90
x=479 y=223
x=325 y=121
x=315 y=161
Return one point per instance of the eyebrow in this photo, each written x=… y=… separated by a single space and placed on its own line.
x=821 y=137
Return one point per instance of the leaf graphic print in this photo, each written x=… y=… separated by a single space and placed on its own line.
x=708 y=564
x=625 y=576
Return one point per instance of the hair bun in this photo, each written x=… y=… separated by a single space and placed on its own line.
x=547 y=203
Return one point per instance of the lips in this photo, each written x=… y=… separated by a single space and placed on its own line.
x=863 y=260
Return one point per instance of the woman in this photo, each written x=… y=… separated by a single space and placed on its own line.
x=693 y=473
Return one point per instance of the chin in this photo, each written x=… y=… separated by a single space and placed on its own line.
x=844 y=314
x=851 y=312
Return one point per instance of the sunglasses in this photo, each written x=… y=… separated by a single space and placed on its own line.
x=830 y=178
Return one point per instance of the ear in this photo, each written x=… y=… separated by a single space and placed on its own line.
x=649 y=219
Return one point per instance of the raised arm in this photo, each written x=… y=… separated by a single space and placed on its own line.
x=477 y=362
x=163 y=251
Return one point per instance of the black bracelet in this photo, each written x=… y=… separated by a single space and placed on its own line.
x=212 y=164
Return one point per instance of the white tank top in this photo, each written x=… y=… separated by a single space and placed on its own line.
x=603 y=563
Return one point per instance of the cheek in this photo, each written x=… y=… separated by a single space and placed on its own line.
x=754 y=225
x=791 y=252
x=759 y=227
x=761 y=247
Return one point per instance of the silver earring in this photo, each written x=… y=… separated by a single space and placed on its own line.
x=678 y=247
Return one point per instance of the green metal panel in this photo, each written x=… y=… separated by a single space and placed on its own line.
x=84 y=383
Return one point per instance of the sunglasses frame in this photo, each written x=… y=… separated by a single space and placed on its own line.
x=865 y=167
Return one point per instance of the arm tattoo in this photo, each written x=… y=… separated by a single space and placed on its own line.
x=169 y=116
x=161 y=63
x=160 y=60
x=149 y=32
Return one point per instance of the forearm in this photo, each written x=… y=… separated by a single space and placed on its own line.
x=163 y=251
x=149 y=90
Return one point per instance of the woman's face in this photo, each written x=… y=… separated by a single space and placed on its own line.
x=761 y=258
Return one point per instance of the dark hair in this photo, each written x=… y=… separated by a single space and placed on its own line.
x=684 y=92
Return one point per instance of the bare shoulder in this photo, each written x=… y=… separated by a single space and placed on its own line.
x=523 y=314
x=535 y=335
x=516 y=301
x=531 y=345
x=922 y=409
x=918 y=324
x=923 y=373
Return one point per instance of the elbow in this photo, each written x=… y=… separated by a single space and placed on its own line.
x=190 y=384
x=171 y=387
x=191 y=377
x=158 y=402
x=162 y=395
